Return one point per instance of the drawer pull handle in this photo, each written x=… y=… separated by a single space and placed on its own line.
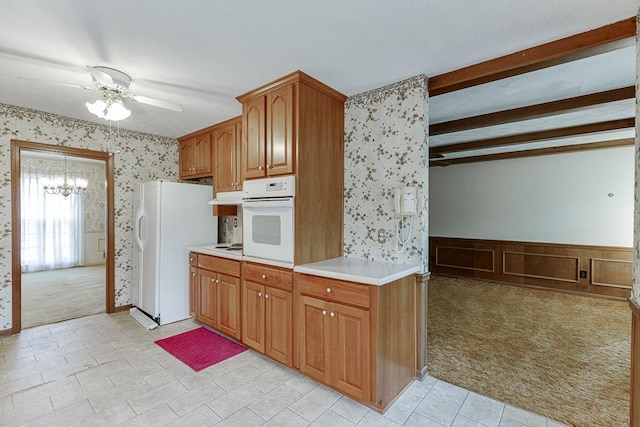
x=324 y=312
x=266 y=295
x=333 y=314
x=213 y=280
x=264 y=277
x=259 y=294
x=328 y=290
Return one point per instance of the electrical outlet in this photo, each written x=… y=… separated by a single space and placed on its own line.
x=235 y=222
x=382 y=236
x=583 y=274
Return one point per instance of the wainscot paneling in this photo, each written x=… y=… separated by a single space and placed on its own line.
x=597 y=270
x=635 y=360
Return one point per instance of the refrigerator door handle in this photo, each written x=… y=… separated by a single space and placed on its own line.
x=139 y=216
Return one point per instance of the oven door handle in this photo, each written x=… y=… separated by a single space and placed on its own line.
x=267 y=203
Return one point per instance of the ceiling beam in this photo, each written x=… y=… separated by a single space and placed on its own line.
x=604 y=39
x=536 y=136
x=537 y=111
x=536 y=152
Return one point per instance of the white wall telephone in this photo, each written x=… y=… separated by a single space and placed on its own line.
x=405 y=204
x=405 y=201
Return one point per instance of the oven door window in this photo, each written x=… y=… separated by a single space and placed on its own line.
x=266 y=229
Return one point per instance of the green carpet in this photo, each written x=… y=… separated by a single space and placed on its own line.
x=565 y=357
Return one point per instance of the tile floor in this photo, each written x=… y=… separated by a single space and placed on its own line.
x=105 y=370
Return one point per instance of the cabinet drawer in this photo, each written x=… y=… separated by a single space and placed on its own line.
x=349 y=293
x=193 y=259
x=269 y=276
x=220 y=265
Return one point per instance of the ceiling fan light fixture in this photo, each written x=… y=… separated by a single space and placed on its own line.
x=113 y=109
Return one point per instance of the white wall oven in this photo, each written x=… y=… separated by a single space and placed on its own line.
x=268 y=220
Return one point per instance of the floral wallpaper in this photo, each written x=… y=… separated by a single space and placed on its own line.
x=386 y=147
x=137 y=157
x=94 y=196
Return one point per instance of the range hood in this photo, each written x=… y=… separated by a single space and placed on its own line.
x=227 y=198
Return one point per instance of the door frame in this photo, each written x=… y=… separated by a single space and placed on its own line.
x=17 y=146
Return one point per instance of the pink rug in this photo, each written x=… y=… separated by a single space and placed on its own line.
x=200 y=348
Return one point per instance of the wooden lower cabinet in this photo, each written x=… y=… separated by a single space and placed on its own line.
x=335 y=345
x=228 y=309
x=267 y=311
x=207 y=298
x=216 y=293
x=358 y=339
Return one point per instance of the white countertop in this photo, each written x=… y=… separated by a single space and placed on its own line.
x=219 y=252
x=359 y=270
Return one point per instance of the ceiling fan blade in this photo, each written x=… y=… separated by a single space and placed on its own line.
x=173 y=106
x=101 y=76
x=57 y=83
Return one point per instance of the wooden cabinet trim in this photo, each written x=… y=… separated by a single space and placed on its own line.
x=296 y=76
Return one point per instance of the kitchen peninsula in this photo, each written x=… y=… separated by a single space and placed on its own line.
x=348 y=323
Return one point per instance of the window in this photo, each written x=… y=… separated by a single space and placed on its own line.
x=52 y=226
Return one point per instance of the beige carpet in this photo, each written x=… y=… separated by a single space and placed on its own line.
x=562 y=356
x=56 y=295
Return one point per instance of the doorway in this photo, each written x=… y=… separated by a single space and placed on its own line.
x=18 y=150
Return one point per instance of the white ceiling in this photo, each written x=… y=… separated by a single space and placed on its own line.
x=203 y=54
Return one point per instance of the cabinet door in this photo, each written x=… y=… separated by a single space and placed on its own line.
x=193 y=290
x=253 y=315
x=228 y=301
x=280 y=144
x=253 y=138
x=225 y=163
x=185 y=155
x=278 y=314
x=314 y=334
x=202 y=154
x=350 y=350
x=206 y=309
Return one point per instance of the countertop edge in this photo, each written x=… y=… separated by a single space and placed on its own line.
x=376 y=281
x=202 y=249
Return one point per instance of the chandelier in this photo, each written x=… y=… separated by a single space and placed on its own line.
x=65 y=186
x=111 y=108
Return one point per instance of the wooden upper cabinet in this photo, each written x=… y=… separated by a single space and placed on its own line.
x=268 y=130
x=185 y=155
x=227 y=148
x=280 y=144
x=253 y=138
x=202 y=154
x=195 y=155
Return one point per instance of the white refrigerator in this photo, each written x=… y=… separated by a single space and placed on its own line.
x=169 y=217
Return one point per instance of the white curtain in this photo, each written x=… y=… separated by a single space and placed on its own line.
x=52 y=226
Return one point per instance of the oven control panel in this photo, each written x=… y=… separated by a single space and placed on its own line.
x=283 y=186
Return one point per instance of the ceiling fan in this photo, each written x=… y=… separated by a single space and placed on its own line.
x=114 y=85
